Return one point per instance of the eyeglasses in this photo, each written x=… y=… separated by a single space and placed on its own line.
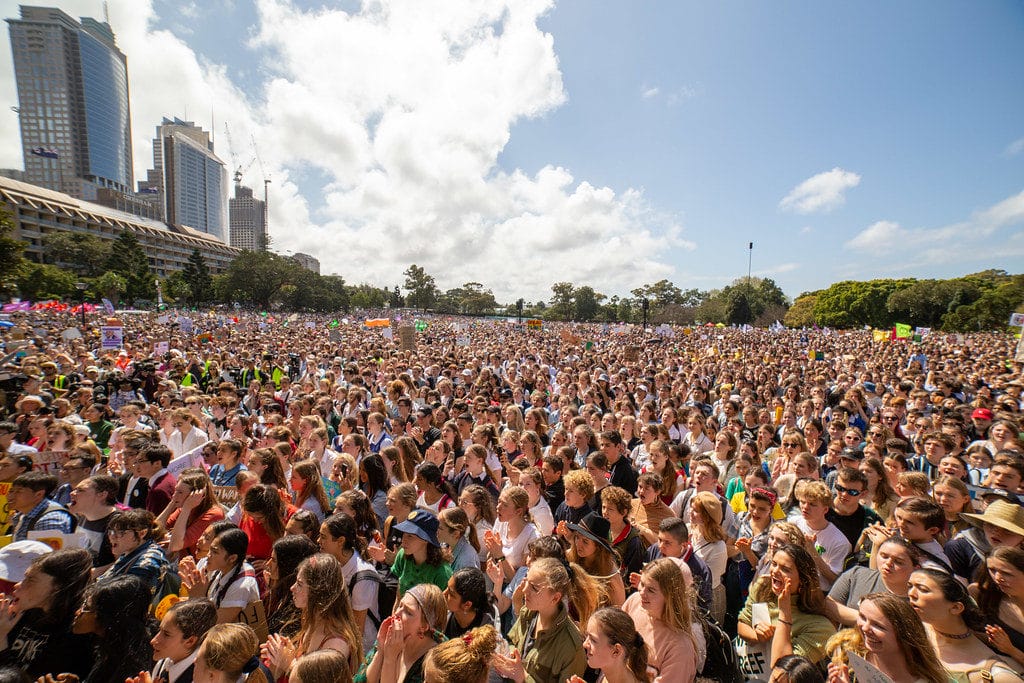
x=790 y=444
x=114 y=533
x=850 y=492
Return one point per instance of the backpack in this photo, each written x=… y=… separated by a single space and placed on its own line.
x=387 y=592
x=720 y=664
x=167 y=591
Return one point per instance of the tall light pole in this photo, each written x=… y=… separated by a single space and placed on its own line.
x=81 y=287
x=646 y=305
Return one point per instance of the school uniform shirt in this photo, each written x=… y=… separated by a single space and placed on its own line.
x=363 y=595
x=175 y=672
x=161 y=488
x=241 y=589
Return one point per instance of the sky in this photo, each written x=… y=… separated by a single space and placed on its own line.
x=521 y=143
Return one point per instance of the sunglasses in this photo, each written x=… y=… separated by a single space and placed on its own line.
x=850 y=492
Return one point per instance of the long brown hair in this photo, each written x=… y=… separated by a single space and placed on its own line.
x=809 y=598
x=919 y=654
x=619 y=629
x=313 y=487
x=328 y=606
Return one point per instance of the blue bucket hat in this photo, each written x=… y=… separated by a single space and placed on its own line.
x=421 y=524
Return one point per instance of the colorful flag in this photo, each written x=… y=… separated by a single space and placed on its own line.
x=879 y=335
x=903 y=331
x=333 y=324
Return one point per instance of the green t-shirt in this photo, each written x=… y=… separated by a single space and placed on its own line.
x=410 y=574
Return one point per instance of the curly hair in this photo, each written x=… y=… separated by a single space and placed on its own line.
x=465 y=659
x=809 y=598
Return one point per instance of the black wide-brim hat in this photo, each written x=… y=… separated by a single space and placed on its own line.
x=596 y=528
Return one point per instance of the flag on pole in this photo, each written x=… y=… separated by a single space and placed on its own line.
x=45 y=152
x=903 y=331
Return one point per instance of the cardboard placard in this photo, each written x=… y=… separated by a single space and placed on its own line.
x=193 y=458
x=632 y=354
x=71 y=333
x=226 y=495
x=50 y=461
x=161 y=348
x=407 y=337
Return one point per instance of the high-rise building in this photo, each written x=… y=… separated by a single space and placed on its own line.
x=306 y=261
x=73 y=103
x=248 y=219
x=189 y=178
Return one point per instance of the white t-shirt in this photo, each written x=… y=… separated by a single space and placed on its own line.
x=363 y=595
x=515 y=549
x=833 y=547
x=240 y=593
x=542 y=517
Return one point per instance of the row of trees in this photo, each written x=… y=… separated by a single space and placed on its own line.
x=980 y=301
x=119 y=270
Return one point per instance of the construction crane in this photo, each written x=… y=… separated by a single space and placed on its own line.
x=239 y=169
x=266 y=183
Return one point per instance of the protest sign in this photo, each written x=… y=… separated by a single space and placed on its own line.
x=71 y=333
x=111 y=337
x=57 y=540
x=50 y=462
x=226 y=495
x=161 y=348
x=407 y=337
x=864 y=670
x=5 y=512
x=194 y=458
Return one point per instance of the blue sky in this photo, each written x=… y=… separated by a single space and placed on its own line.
x=609 y=144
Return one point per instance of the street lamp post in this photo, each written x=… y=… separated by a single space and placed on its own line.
x=646 y=305
x=81 y=287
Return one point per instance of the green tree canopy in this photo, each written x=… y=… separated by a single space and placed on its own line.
x=421 y=290
x=128 y=259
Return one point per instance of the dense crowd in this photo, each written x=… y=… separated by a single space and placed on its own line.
x=239 y=497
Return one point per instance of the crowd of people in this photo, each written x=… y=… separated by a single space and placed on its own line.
x=241 y=498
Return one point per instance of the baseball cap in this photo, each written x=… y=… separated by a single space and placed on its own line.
x=421 y=524
x=981 y=414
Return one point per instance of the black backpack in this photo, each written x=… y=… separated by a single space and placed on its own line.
x=720 y=664
x=387 y=592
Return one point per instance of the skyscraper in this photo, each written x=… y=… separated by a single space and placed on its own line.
x=248 y=218
x=190 y=178
x=73 y=102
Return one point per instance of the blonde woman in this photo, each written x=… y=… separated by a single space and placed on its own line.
x=661 y=610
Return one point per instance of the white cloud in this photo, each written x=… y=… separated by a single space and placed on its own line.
x=650 y=93
x=777 y=270
x=806 y=230
x=973 y=239
x=1014 y=148
x=820 y=193
x=404 y=108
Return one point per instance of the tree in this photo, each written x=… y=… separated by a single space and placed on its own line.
x=110 y=285
x=737 y=307
x=991 y=310
x=43 y=281
x=87 y=255
x=585 y=303
x=854 y=304
x=12 y=259
x=476 y=300
x=257 y=277
x=367 y=296
x=420 y=287
x=562 y=301
x=128 y=259
x=801 y=313
x=197 y=275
